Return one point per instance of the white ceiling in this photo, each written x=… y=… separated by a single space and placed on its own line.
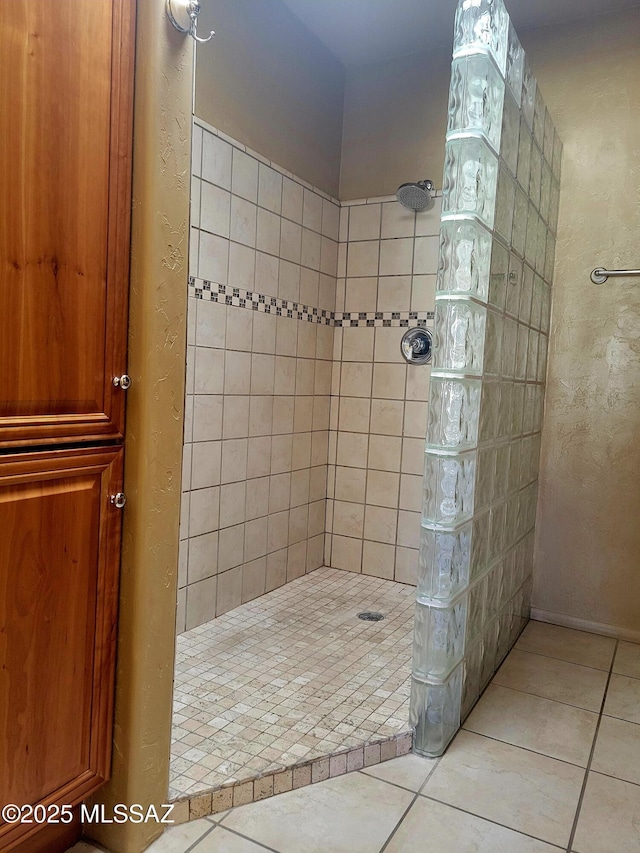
x=362 y=31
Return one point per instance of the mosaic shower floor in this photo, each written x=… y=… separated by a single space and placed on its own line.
x=289 y=677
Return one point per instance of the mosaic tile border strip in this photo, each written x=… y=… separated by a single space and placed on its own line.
x=286 y=779
x=239 y=298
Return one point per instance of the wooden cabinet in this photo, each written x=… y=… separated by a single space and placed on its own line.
x=66 y=79
x=66 y=98
x=59 y=553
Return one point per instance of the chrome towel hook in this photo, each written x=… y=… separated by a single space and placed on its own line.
x=183 y=14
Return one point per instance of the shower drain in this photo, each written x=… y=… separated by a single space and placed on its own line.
x=371 y=616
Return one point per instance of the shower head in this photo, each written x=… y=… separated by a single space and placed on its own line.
x=415 y=196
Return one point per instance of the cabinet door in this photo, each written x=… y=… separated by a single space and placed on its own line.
x=66 y=80
x=59 y=564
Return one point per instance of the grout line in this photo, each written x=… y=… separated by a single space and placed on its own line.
x=489 y=820
x=246 y=837
x=195 y=843
x=523 y=748
x=551 y=657
x=409 y=807
x=593 y=748
x=526 y=692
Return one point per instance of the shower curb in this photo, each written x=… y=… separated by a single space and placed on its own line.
x=299 y=775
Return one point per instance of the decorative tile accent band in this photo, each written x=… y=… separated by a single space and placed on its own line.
x=305 y=773
x=239 y=298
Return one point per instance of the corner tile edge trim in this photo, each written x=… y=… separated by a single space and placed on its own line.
x=285 y=779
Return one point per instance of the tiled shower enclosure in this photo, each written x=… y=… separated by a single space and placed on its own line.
x=497 y=247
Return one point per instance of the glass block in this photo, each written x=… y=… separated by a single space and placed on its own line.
x=496 y=530
x=541 y=246
x=520 y=213
x=476 y=609
x=480 y=545
x=454 y=411
x=459 y=328
x=470 y=179
x=448 y=488
x=494 y=590
x=535 y=174
x=465 y=253
x=528 y=94
x=504 y=411
x=545 y=308
x=490 y=648
x=484 y=479
x=554 y=203
x=509 y=344
x=438 y=639
x=504 y=205
x=536 y=302
x=505 y=622
x=515 y=64
x=532 y=356
x=482 y=26
x=492 y=345
x=513 y=478
x=535 y=456
x=521 y=352
x=510 y=133
x=539 y=112
x=498 y=275
x=445 y=562
x=476 y=96
x=524 y=155
x=472 y=673
x=547 y=142
x=526 y=294
x=517 y=408
x=557 y=156
x=525 y=462
x=545 y=192
x=512 y=302
x=542 y=363
x=538 y=409
x=532 y=236
x=488 y=428
x=435 y=713
x=550 y=257
x=511 y=527
x=529 y=407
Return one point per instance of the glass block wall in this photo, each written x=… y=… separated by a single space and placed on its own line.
x=497 y=246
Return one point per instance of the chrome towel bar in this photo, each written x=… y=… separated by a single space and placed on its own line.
x=600 y=275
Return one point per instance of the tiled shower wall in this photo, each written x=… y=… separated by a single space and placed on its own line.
x=499 y=221
x=387 y=269
x=260 y=345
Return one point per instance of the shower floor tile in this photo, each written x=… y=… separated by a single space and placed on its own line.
x=289 y=677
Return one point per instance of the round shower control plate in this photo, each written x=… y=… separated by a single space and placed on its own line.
x=416 y=346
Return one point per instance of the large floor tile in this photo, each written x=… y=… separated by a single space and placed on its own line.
x=567 y=644
x=553 y=679
x=609 y=819
x=223 y=841
x=623 y=698
x=180 y=838
x=617 y=751
x=349 y=814
x=519 y=789
x=452 y=831
x=627 y=660
x=551 y=728
x=408 y=771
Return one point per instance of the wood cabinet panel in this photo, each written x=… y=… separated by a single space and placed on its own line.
x=66 y=80
x=59 y=563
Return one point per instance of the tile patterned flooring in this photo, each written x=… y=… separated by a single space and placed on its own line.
x=291 y=676
x=528 y=773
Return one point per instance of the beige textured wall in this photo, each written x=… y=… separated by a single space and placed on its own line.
x=588 y=534
x=157 y=342
x=269 y=83
x=395 y=119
